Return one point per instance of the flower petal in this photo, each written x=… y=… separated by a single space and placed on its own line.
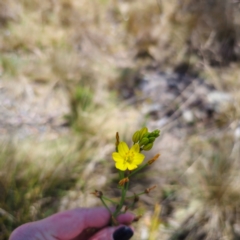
x=121 y=166
x=138 y=158
x=135 y=148
x=123 y=148
x=131 y=166
x=117 y=157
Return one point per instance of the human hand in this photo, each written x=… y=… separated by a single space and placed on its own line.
x=76 y=224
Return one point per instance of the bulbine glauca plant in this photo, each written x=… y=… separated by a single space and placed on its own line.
x=129 y=161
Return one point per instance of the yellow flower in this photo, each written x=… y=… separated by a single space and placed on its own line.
x=127 y=158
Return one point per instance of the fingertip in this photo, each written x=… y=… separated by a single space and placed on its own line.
x=97 y=217
x=126 y=218
x=25 y=231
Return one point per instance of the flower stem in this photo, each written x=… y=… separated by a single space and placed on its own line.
x=106 y=206
x=121 y=174
x=108 y=199
x=139 y=194
x=124 y=191
x=137 y=170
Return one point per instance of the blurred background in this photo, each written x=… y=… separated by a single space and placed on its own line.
x=74 y=72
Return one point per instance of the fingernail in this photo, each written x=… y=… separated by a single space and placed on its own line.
x=123 y=233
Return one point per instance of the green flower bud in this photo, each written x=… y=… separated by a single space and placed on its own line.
x=151 y=139
x=142 y=132
x=136 y=136
x=144 y=141
x=156 y=133
x=145 y=135
x=148 y=146
x=152 y=134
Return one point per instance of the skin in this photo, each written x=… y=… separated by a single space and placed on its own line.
x=76 y=224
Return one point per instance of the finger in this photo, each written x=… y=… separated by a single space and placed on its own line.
x=114 y=233
x=26 y=232
x=69 y=224
x=126 y=218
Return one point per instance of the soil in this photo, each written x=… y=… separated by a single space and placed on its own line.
x=31 y=110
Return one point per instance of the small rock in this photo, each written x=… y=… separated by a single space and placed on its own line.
x=219 y=101
x=151 y=108
x=188 y=116
x=159 y=123
x=144 y=233
x=237 y=133
x=236 y=228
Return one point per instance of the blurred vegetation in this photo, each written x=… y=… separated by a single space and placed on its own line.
x=84 y=47
x=31 y=181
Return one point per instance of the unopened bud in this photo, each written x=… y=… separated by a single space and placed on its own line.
x=145 y=135
x=142 y=132
x=156 y=133
x=151 y=139
x=151 y=134
x=148 y=146
x=144 y=141
x=136 y=137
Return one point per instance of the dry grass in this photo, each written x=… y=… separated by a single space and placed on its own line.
x=79 y=46
x=57 y=44
x=213 y=192
x=31 y=181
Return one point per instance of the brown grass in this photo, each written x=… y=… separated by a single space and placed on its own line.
x=79 y=46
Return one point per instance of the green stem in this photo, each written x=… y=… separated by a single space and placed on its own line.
x=124 y=191
x=121 y=174
x=139 y=194
x=132 y=205
x=138 y=169
x=108 y=199
x=106 y=206
x=134 y=196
